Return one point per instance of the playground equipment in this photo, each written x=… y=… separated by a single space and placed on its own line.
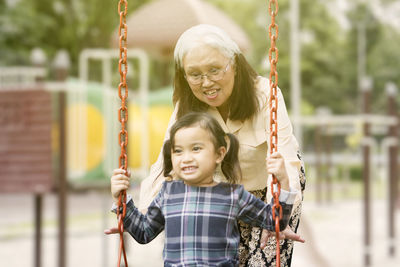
x=123 y=119
x=88 y=102
x=273 y=118
x=28 y=145
x=91 y=109
x=108 y=105
x=383 y=126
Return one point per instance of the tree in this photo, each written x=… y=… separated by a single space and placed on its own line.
x=319 y=63
x=56 y=24
x=382 y=53
x=328 y=52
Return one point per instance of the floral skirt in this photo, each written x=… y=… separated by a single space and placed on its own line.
x=251 y=255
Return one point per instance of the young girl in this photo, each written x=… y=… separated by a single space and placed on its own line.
x=199 y=214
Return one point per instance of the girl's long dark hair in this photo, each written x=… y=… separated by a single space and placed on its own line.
x=242 y=102
x=230 y=164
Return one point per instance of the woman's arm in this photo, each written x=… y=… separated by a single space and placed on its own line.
x=288 y=147
x=151 y=185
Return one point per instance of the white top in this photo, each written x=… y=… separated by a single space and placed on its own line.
x=253 y=136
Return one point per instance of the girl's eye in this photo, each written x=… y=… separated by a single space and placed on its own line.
x=176 y=151
x=196 y=148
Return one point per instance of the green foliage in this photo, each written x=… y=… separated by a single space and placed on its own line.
x=328 y=52
x=321 y=67
x=384 y=66
x=254 y=20
x=356 y=173
x=56 y=24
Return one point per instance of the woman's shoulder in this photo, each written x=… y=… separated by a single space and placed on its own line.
x=262 y=84
x=262 y=90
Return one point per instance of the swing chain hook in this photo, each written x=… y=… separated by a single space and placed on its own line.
x=123 y=119
x=273 y=124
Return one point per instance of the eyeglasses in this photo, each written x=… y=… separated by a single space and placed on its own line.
x=214 y=74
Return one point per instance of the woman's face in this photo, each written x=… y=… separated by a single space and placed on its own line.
x=203 y=60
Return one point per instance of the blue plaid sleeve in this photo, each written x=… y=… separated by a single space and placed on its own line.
x=255 y=212
x=144 y=228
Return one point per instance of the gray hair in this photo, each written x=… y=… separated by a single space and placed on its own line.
x=204 y=34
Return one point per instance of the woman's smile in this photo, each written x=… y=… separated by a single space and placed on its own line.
x=212 y=94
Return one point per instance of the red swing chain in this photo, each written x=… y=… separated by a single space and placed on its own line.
x=273 y=125
x=123 y=118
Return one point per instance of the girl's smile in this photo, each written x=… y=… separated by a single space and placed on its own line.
x=189 y=169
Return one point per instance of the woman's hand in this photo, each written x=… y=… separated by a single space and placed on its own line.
x=119 y=182
x=276 y=166
x=285 y=234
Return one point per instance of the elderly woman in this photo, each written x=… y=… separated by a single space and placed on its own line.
x=212 y=75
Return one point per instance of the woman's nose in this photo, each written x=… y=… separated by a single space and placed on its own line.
x=206 y=82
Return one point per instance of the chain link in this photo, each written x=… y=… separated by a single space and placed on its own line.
x=273 y=125
x=123 y=119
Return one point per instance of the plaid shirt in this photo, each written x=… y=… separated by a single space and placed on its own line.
x=201 y=222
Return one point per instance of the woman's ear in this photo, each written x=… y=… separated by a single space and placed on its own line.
x=221 y=152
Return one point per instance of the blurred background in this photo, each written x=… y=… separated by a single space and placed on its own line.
x=339 y=71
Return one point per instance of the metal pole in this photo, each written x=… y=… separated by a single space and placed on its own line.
x=38 y=229
x=105 y=204
x=295 y=69
x=328 y=157
x=361 y=44
x=107 y=81
x=62 y=184
x=323 y=113
x=38 y=58
x=364 y=88
x=391 y=91
x=61 y=64
x=318 y=163
x=366 y=85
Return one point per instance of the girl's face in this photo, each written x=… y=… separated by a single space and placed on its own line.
x=204 y=60
x=194 y=157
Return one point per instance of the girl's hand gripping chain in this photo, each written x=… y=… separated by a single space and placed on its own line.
x=119 y=182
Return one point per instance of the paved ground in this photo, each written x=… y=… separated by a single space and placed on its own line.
x=333 y=233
